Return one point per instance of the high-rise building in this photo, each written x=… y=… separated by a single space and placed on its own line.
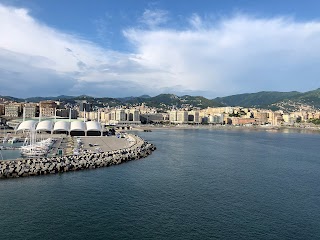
x=194 y=116
x=173 y=116
x=178 y=116
x=85 y=106
x=182 y=116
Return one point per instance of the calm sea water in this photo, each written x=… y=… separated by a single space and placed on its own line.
x=10 y=154
x=198 y=184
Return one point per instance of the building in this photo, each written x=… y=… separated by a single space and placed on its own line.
x=262 y=117
x=2 y=108
x=122 y=117
x=47 y=108
x=173 y=116
x=65 y=113
x=182 y=117
x=216 y=118
x=243 y=121
x=194 y=116
x=218 y=110
x=152 y=117
x=30 y=110
x=107 y=116
x=288 y=119
x=13 y=110
x=275 y=118
x=132 y=115
x=85 y=106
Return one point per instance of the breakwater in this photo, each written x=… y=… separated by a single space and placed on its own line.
x=52 y=165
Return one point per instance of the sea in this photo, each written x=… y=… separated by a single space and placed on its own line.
x=10 y=154
x=198 y=184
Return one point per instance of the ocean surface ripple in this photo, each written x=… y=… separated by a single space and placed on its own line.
x=199 y=184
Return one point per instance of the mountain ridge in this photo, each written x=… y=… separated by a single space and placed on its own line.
x=262 y=99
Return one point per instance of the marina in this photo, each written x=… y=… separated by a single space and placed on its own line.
x=30 y=153
x=106 y=153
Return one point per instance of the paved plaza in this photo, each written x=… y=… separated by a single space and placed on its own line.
x=108 y=143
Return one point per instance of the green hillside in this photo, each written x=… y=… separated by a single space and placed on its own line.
x=259 y=99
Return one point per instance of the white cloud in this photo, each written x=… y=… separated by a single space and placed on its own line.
x=240 y=54
x=154 y=18
x=196 y=21
x=232 y=55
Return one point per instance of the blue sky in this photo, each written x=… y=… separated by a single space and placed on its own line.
x=130 y=48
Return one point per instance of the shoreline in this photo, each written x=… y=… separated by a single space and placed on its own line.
x=228 y=127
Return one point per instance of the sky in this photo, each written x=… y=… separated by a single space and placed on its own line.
x=122 y=48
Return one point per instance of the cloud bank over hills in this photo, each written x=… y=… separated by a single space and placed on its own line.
x=211 y=57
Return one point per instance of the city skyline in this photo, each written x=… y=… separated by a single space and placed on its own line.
x=131 y=48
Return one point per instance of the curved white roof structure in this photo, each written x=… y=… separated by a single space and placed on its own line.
x=27 y=125
x=93 y=126
x=78 y=126
x=61 y=126
x=45 y=126
x=51 y=126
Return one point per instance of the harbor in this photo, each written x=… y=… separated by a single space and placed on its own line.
x=66 y=153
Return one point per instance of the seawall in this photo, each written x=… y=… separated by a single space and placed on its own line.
x=51 y=165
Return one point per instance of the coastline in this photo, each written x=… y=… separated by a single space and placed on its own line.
x=229 y=127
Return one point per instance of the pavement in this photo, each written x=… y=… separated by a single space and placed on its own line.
x=109 y=143
x=97 y=143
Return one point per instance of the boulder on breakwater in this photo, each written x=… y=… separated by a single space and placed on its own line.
x=50 y=165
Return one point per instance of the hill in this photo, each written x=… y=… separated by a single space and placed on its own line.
x=259 y=99
x=167 y=101
x=287 y=101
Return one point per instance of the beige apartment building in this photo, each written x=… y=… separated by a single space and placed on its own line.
x=13 y=110
x=47 y=108
x=178 y=116
x=194 y=117
x=275 y=118
x=30 y=110
x=121 y=116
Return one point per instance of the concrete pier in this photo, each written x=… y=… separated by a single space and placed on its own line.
x=137 y=148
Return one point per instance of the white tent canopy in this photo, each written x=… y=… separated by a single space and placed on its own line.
x=45 y=126
x=61 y=126
x=78 y=126
x=27 y=125
x=93 y=126
x=51 y=126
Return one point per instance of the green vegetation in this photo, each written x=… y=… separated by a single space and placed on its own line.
x=166 y=101
x=234 y=115
x=259 y=99
x=315 y=121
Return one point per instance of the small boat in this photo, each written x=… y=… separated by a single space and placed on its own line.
x=13 y=140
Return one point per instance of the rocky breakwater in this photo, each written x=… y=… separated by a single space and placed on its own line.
x=43 y=166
